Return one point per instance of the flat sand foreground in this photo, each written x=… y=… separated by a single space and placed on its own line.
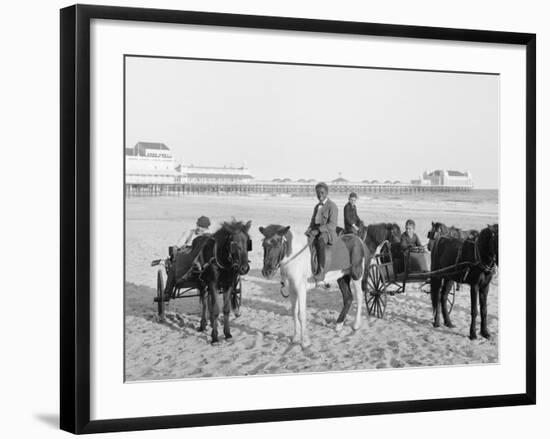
x=261 y=342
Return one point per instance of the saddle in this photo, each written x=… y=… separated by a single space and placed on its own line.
x=346 y=252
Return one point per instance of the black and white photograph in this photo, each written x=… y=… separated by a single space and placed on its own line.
x=286 y=218
x=275 y=219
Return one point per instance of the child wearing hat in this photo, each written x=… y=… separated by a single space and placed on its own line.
x=186 y=239
x=183 y=248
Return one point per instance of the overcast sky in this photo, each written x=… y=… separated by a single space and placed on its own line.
x=316 y=122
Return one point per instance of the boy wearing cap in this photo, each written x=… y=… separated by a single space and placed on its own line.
x=184 y=245
x=352 y=222
x=186 y=239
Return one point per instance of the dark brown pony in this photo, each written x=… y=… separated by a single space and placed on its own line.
x=440 y=229
x=376 y=234
x=470 y=261
x=226 y=257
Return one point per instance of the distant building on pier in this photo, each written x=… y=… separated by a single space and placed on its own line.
x=214 y=174
x=154 y=163
x=447 y=178
x=150 y=163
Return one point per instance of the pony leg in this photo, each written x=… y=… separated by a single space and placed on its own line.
x=444 y=295
x=347 y=297
x=295 y=314
x=483 y=293
x=435 y=287
x=302 y=294
x=357 y=290
x=213 y=310
x=473 y=312
x=226 y=311
x=203 y=299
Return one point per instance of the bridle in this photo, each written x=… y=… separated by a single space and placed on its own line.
x=280 y=263
x=233 y=248
x=490 y=267
x=283 y=252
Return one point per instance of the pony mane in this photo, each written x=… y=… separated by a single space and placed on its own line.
x=493 y=227
x=272 y=229
x=233 y=226
x=490 y=229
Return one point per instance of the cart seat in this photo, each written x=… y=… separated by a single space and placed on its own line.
x=186 y=257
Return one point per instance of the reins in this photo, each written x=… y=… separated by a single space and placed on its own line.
x=294 y=256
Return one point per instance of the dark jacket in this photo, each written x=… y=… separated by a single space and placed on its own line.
x=408 y=242
x=329 y=220
x=351 y=218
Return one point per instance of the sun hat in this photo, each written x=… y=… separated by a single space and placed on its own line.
x=203 y=221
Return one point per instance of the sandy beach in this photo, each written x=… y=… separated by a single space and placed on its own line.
x=261 y=341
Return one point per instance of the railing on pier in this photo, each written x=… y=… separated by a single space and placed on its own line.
x=297 y=189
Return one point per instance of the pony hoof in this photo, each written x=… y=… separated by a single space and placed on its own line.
x=228 y=336
x=437 y=324
x=339 y=326
x=356 y=327
x=486 y=334
x=306 y=344
x=295 y=339
x=449 y=325
x=473 y=336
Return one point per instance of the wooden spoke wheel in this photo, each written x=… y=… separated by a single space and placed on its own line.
x=236 y=298
x=376 y=295
x=160 y=295
x=451 y=298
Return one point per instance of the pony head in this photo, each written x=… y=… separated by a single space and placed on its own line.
x=394 y=233
x=277 y=244
x=488 y=242
x=436 y=230
x=236 y=233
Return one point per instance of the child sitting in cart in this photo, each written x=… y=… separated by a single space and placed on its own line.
x=185 y=241
x=184 y=247
x=413 y=249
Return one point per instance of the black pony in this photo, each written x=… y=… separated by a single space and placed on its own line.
x=440 y=229
x=470 y=261
x=226 y=258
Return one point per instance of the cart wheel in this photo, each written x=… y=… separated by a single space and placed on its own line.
x=375 y=293
x=451 y=298
x=160 y=295
x=236 y=298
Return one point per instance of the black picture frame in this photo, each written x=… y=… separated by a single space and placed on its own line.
x=75 y=217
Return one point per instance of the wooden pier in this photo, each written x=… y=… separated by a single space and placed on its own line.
x=273 y=188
